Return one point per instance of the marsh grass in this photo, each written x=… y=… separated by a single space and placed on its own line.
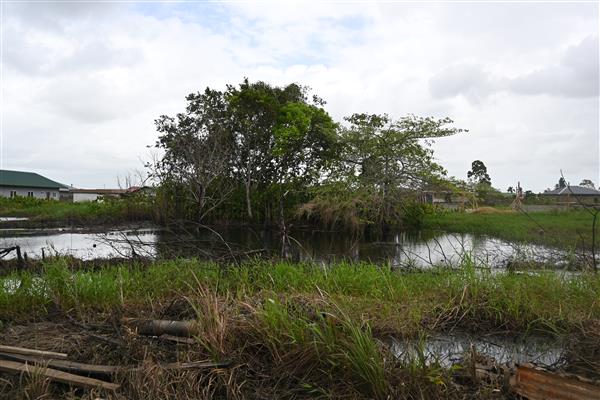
x=569 y=230
x=438 y=296
x=391 y=300
x=299 y=330
x=213 y=318
x=35 y=385
x=109 y=211
x=321 y=346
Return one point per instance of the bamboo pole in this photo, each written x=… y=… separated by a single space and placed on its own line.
x=55 y=375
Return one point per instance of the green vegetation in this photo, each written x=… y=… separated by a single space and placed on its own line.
x=571 y=229
x=292 y=330
x=257 y=153
x=84 y=213
x=392 y=300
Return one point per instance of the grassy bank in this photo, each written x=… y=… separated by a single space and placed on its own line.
x=85 y=213
x=564 y=229
x=400 y=302
x=291 y=330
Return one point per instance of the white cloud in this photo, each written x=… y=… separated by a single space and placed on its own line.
x=575 y=76
x=84 y=81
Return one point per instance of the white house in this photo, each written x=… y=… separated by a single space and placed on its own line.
x=29 y=184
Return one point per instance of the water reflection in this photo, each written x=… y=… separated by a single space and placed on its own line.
x=399 y=249
x=449 y=349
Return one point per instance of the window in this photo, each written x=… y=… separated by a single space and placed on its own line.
x=53 y=194
x=13 y=194
x=29 y=194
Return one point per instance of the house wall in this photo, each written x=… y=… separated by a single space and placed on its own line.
x=38 y=193
x=591 y=200
x=81 y=197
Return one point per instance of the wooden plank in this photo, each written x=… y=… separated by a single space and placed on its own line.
x=107 y=370
x=538 y=384
x=64 y=365
x=55 y=375
x=32 y=352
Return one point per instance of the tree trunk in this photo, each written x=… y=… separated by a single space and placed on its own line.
x=248 y=202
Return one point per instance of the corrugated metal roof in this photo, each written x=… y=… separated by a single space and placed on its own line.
x=574 y=191
x=99 y=191
x=538 y=384
x=27 y=179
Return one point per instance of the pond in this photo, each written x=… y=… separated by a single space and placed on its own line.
x=399 y=249
x=450 y=348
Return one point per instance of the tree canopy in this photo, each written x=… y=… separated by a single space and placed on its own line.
x=478 y=173
x=256 y=144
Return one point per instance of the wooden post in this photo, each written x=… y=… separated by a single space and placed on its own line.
x=19 y=257
x=43 y=254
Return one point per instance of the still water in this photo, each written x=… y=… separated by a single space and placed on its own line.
x=449 y=349
x=402 y=249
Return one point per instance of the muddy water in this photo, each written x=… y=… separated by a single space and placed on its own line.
x=402 y=249
x=449 y=349
x=78 y=244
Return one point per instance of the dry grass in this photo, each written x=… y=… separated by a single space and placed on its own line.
x=348 y=214
x=280 y=349
x=214 y=315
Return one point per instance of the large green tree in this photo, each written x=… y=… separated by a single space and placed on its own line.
x=279 y=135
x=257 y=136
x=479 y=174
x=387 y=158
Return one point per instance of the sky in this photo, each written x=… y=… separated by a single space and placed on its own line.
x=82 y=82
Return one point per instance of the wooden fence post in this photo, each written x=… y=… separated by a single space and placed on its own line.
x=19 y=257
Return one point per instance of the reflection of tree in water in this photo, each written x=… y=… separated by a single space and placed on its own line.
x=400 y=249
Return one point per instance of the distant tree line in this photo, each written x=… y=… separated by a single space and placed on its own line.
x=259 y=153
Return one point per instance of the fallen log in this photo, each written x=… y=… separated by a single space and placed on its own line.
x=158 y=327
x=538 y=384
x=56 y=375
x=32 y=352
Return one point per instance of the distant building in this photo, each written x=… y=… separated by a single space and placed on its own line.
x=81 y=195
x=30 y=184
x=573 y=195
x=444 y=198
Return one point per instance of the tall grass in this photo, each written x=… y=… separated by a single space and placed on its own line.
x=302 y=330
x=571 y=229
x=395 y=301
x=108 y=211
x=333 y=341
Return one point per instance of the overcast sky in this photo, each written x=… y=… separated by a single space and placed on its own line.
x=82 y=82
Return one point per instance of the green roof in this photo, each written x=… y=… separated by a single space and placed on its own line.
x=27 y=179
